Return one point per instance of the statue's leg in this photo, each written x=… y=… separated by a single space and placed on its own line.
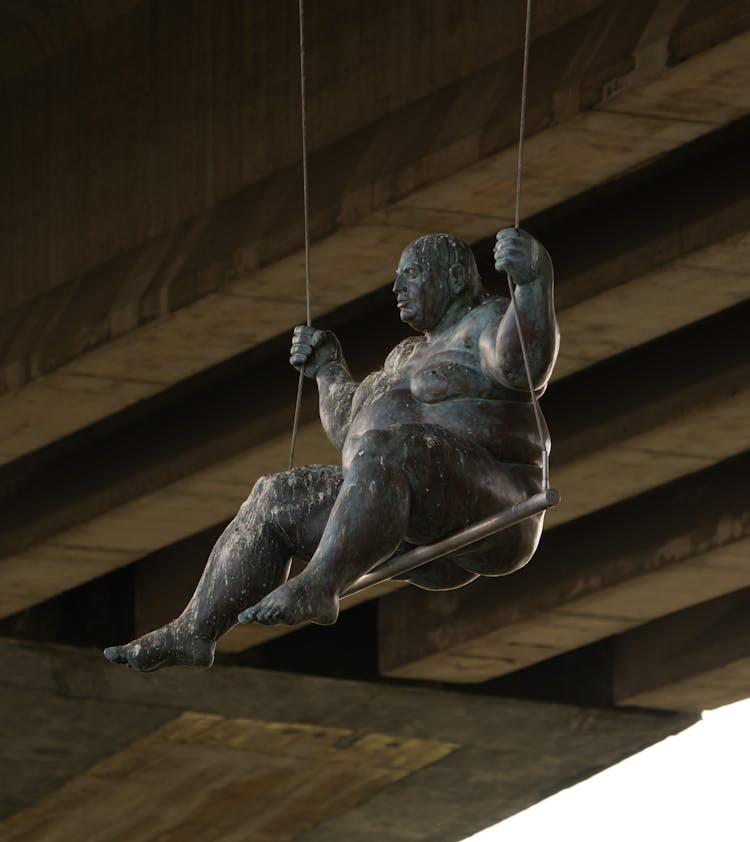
x=409 y=482
x=284 y=515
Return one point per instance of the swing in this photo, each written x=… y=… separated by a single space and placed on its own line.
x=534 y=505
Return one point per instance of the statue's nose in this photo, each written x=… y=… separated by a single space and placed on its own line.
x=399 y=284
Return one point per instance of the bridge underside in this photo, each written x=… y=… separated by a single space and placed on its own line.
x=151 y=229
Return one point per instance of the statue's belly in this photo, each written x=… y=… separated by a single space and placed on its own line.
x=507 y=429
x=383 y=410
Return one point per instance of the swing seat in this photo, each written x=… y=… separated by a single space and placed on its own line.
x=418 y=556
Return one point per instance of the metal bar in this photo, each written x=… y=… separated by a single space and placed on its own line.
x=411 y=559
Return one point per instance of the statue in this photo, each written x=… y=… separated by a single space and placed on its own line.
x=442 y=436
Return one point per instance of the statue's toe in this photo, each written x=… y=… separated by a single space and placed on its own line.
x=247 y=616
x=115 y=655
x=265 y=615
x=278 y=615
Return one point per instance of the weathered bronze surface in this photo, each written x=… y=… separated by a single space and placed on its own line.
x=439 y=438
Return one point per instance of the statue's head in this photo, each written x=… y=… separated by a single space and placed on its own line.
x=434 y=272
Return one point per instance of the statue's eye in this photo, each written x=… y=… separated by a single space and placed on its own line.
x=410 y=272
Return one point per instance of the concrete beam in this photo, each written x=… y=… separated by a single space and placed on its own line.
x=224 y=271
x=452 y=751
x=647 y=255
x=696 y=659
x=661 y=411
x=601 y=575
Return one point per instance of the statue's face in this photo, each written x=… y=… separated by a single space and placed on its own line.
x=422 y=290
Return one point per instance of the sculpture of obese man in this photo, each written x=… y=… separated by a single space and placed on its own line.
x=439 y=438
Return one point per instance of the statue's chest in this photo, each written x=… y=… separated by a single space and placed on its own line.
x=444 y=371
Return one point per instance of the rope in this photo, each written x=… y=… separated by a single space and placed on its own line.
x=305 y=193
x=517 y=217
x=522 y=126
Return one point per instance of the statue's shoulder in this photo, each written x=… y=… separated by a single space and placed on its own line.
x=494 y=304
x=488 y=312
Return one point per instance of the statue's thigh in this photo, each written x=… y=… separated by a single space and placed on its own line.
x=455 y=482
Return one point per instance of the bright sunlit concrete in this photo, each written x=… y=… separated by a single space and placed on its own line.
x=690 y=787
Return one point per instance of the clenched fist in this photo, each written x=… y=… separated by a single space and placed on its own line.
x=521 y=256
x=313 y=348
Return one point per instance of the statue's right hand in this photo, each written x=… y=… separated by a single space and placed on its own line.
x=313 y=348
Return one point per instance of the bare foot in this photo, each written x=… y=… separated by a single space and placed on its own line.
x=166 y=647
x=297 y=601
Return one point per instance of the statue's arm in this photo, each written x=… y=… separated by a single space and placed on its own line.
x=319 y=351
x=529 y=265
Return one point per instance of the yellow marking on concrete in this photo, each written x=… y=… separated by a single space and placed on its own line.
x=209 y=777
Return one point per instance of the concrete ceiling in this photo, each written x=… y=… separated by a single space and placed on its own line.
x=151 y=231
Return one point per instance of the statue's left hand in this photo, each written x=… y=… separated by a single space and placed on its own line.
x=519 y=254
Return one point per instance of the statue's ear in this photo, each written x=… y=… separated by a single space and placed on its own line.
x=457 y=278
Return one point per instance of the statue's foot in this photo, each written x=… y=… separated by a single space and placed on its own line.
x=297 y=601
x=171 y=645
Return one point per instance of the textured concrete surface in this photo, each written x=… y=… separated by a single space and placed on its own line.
x=453 y=763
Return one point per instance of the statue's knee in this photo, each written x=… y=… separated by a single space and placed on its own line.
x=266 y=491
x=507 y=552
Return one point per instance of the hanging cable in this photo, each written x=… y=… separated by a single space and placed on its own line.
x=517 y=222
x=526 y=508
x=305 y=194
